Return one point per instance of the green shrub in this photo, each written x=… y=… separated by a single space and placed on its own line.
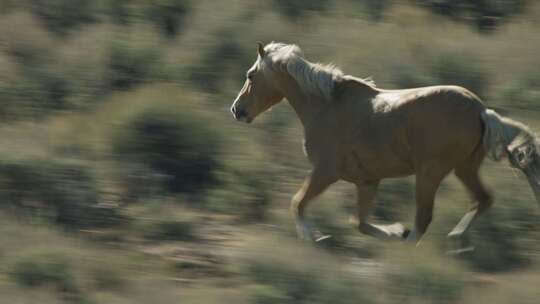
x=244 y=195
x=523 y=92
x=485 y=15
x=423 y=276
x=444 y=69
x=375 y=9
x=168 y=230
x=296 y=9
x=130 y=64
x=39 y=84
x=498 y=239
x=177 y=145
x=425 y=283
x=29 y=53
x=62 y=16
x=295 y=278
x=264 y=294
x=43 y=89
x=297 y=285
x=61 y=190
x=120 y=11
x=44 y=268
x=141 y=181
x=460 y=69
x=107 y=277
x=35 y=93
x=168 y=15
x=216 y=63
x=410 y=76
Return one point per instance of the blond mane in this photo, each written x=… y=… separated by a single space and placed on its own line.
x=313 y=78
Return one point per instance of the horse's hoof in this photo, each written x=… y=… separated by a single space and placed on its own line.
x=397 y=231
x=405 y=233
x=460 y=251
x=322 y=238
x=304 y=232
x=459 y=244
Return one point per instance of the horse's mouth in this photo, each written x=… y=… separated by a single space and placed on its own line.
x=243 y=118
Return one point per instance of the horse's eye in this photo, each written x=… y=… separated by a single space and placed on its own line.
x=250 y=76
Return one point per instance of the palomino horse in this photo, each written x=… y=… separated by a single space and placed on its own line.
x=359 y=133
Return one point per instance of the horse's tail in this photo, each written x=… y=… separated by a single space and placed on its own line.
x=504 y=137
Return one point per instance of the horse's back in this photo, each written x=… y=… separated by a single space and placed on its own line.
x=443 y=125
x=414 y=128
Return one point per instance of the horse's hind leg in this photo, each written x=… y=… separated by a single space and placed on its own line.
x=482 y=199
x=427 y=183
x=365 y=195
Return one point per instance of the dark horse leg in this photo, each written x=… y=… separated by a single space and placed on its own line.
x=365 y=195
x=467 y=173
x=428 y=180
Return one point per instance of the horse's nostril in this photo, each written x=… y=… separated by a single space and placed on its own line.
x=241 y=113
x=238 y=113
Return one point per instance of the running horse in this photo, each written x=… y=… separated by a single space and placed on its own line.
x=362 y=134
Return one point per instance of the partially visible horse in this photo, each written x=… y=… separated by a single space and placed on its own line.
x=359 y=133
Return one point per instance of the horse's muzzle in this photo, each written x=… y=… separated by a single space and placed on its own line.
x=240 y=115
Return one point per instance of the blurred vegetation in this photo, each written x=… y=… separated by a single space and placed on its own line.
x=124 y=178
x=427 y=280
x=63 y=191
x=217 y=62
x=44 y=268
x=455 y=68
x=169 y=230
x=130 y=65
x=463 y=70
x=62 y=16
x=522 y=92
x=168 y=15
x=297 y=9
x=287 y=277
x=178 y=146
x=484 y=15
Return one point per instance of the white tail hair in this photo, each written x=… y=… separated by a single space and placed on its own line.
x=504 y=137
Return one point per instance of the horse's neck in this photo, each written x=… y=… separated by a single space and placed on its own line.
x=307 y=107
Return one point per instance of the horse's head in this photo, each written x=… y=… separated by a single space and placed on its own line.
x=259 y=92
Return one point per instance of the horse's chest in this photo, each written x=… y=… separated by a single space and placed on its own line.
x=322 y=147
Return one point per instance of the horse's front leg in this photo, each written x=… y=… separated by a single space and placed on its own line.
x=319 y=179
x=365 y=195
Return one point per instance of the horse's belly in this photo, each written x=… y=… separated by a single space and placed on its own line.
x=375 y=166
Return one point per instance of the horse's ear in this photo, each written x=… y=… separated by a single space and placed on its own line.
x=260 y=49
